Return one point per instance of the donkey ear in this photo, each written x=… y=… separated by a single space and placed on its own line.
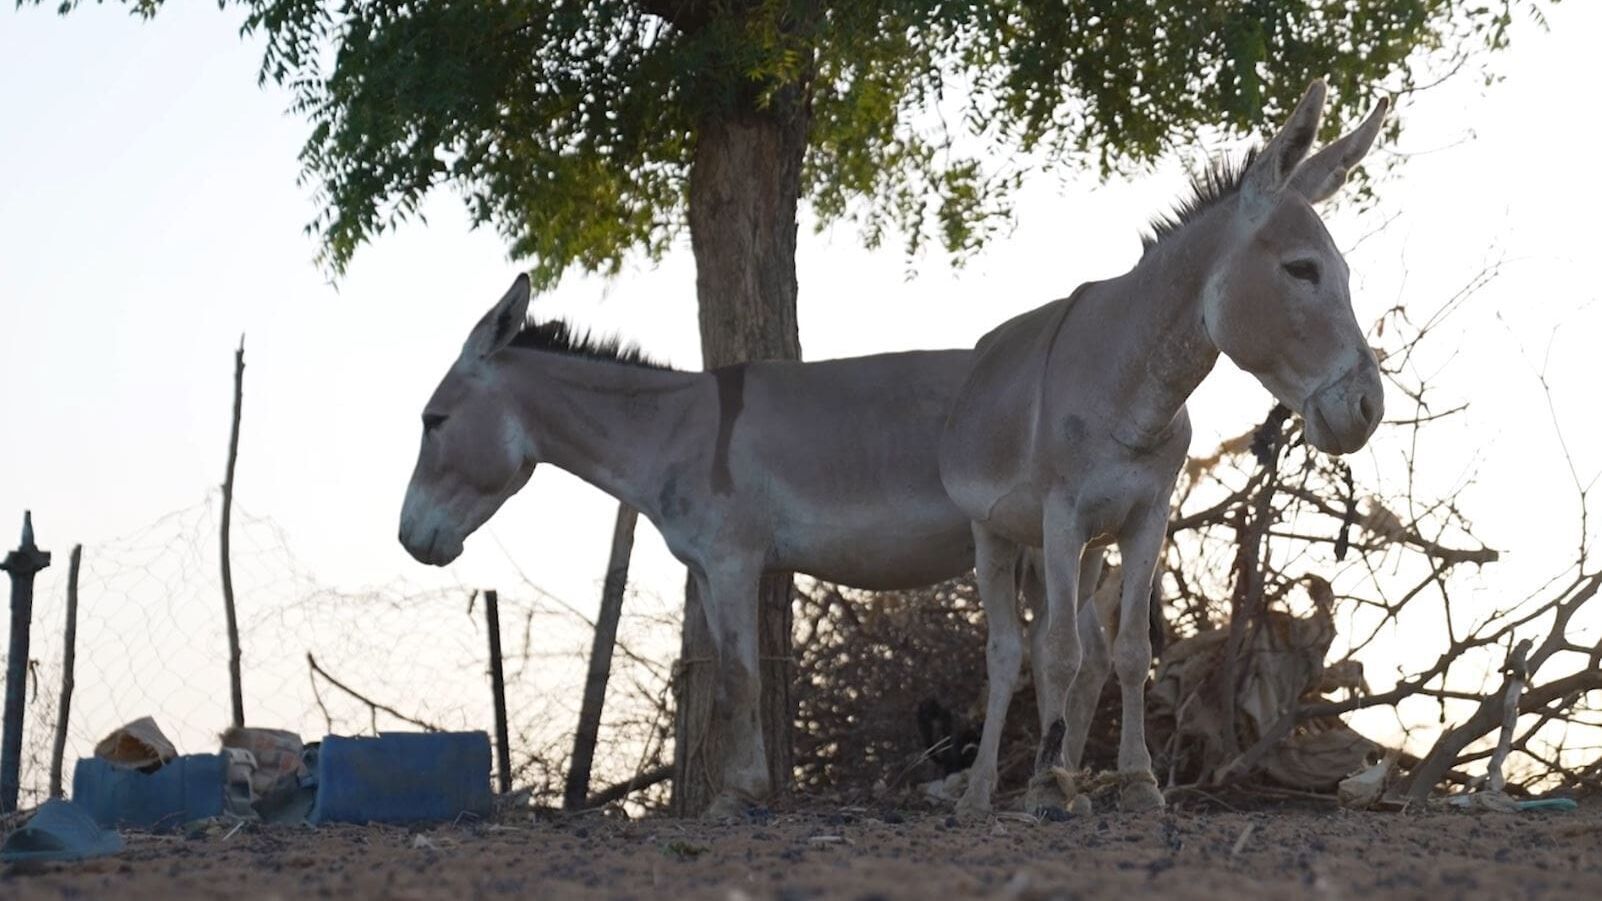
x=1325 y=171
x=501 y=323
x=1273 y=167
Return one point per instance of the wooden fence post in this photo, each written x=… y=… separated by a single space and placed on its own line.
x=69 y=656
x=589 y=725
x=503 y=746
x=236 y=689
x=21 y=564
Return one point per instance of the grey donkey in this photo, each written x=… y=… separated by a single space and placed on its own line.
x=1071 y=429
x=825 y=468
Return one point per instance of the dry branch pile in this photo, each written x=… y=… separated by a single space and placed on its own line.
x=882 y=678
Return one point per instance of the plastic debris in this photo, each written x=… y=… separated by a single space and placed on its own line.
x=1501 y=802
x=269 y=769
x=59 y=830
x=139 y=745
x=1363 y=789
x=1560 y=804
x=239 y=796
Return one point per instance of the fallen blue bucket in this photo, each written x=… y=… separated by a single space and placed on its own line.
x=187 y=788
x=403 y=777
x=59 y=830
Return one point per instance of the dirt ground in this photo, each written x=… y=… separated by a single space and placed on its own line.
x=859 y=854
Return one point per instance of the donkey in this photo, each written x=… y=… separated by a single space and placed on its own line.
x=1071 y=428
x=824 y=468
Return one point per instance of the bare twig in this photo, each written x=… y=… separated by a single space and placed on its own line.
x=374 y=707
x=623 y=789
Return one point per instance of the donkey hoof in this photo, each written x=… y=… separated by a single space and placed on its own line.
x=974 y=804
x=1054 y=787
x=728 y=806
x=1140 y=796
x=972 y=810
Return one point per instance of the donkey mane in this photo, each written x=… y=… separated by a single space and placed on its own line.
x=562 y=337
x=1219 y=180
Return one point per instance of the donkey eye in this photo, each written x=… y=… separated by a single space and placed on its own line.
x=432 y=421
x=1303 y=270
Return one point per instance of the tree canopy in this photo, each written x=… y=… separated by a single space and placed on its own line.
x=570 y=125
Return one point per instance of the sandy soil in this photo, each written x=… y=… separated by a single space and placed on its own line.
x=868 y=854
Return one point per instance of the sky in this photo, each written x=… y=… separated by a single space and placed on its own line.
x=151 y=215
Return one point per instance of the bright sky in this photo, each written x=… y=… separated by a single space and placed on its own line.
x=150 y=215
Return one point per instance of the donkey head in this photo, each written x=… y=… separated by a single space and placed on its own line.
x=1278 y=301
x=475 y=452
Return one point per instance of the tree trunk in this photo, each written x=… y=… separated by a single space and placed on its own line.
x=744 y=184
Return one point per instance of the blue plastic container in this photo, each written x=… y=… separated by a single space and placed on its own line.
x=403 y=777
x=188 y=788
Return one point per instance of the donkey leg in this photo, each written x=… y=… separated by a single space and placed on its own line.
x=1095 y=666
x=1140 y=546
x=995 y=567
x=1033 y=590
x=1051 y=788
x=731 y=610
x=1094 y=670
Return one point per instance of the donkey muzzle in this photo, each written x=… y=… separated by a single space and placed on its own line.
x=1342 y=415
x=425 y=533
x=430 y=546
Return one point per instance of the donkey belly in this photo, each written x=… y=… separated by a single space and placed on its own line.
x=841 y=457
x=914 y=549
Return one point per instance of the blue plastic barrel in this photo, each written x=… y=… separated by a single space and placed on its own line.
x=403 y=777
x=187 y=788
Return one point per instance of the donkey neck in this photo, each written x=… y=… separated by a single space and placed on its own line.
x=606 y=422
x=1159 y=308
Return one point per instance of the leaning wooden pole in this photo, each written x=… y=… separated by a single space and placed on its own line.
x=69 y=656
x=589 y=726
x=235 y=683
x=21 y=564
x=503 y=744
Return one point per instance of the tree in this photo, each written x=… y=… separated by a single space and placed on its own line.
x=588 y=131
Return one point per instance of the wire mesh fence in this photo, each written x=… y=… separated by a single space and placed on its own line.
x=319 y=660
